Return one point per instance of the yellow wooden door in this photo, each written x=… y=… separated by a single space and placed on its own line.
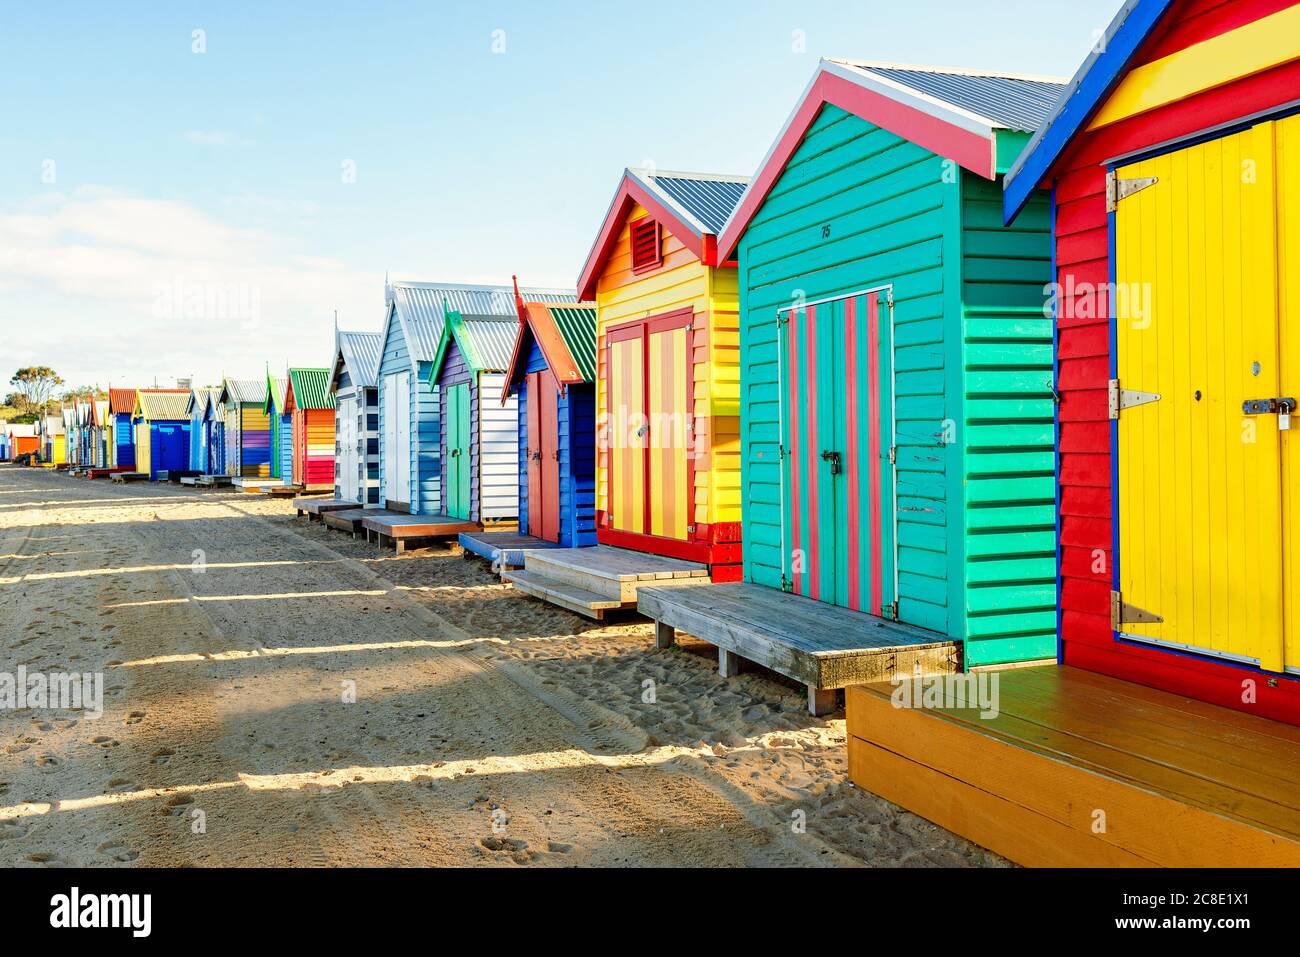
x=1288 y=214
x=669 y=417
x=627 y=429
x=1197 y=323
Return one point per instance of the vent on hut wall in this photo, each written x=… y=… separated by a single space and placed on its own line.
x=647 y=245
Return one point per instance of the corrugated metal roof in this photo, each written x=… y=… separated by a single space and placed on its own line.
x=278 y=389
x=311 y=388
x=420 y=306
x=246 y=390
x=121 y=400
x=577 y=326
x=164 y=405
x=705 y=199
x=1010 y=101
x=362 y=352
x=197 y=402
x=22 y=431
x=489 y=341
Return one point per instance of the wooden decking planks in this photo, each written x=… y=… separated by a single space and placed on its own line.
x=621 y=564
x=1175 y=782
x=820 y=645
x=315 y=507
x=400 y=528
x=345 y=519
x=506 y=549
x=564 y=595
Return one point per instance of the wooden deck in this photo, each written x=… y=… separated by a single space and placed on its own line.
x=314 y=508
x=503 y=549
x=595 y=580
x=176 y=476
x=254 y=484
x=822 y=646
x=129 y=477
x=1078 y=769
x=384 y=527
x=210 y=481
x=345 y=520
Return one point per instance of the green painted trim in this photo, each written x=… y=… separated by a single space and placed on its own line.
x=954 y=393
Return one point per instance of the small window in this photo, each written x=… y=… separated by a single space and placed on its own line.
x=647 y=245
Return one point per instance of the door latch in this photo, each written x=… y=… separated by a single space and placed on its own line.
x=834 y=459
x=537 y=456
x=1281 y=407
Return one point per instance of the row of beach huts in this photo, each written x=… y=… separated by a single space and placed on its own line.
x=821 y=418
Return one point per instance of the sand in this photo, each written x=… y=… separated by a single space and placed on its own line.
x=280 y=694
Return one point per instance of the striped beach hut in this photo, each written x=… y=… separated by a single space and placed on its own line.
x=896 y=366
x=479 y=443
x=667 y=382
x=410 y=423
x=101 y=434
x=552 y=374
x=195 y=407
x=310 y=404
x=246 y=429
x=121 y=403
x=53 y=439
x=162 y=431
x=1174 y=169
x=71 y=435
x=281 y=424
x=354 y=381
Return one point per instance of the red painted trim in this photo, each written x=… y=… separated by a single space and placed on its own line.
x=967 y=149
x=792 y=367
x=814 y=440
x=873 y=452
x=631 y=192
x=655 y=545
x=851 y=444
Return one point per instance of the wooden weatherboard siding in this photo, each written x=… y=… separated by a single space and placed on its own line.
x=1083 y=235
x=857 y=208
x=576 y=443
x=422 y=429
x=683 y=282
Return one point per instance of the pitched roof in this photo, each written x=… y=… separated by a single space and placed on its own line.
x=18 y=431
x=277 y=393
x=159 y=404
x=419 y=307
x=485 y=343
x=360 y=352
x=692 y=206
x=243 y=391
x=309 y=389
x=1085 y=94
x=99 y=412
x=565 y=334
x=197 y=401
x=956 y=114
x=121 y=401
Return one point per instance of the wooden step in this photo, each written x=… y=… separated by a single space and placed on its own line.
x=1071 y=768
x=562 y=594
x=614 y=573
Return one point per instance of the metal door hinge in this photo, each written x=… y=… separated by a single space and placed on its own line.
x=891 y=611
x=893 y=455
x=1118 y=189
x=1121 y=399
x=1120 y=613
x=786 y=584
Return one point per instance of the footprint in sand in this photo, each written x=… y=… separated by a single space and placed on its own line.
x=162 y=755
x=175 y=805
x=118 y=851
x=12 y=831
x=16 y=748
x=46 y=858
x=104 y=741
x=49 y=763
x=135 y=717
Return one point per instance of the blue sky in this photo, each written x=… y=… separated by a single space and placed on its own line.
x=146 y=190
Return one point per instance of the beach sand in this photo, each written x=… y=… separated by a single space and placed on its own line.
x=280 y=694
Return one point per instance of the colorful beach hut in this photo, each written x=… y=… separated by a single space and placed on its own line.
x=101 y=434
x=310 y=404
x=479 y=433
x=1173 y=169
x=53 y=440
x=162 y=431
x=246 y=429
x=552 y=373
x=214 y=433
x=23 y=440
x=195 y=406
x=410 y=421
x=354 y=382
x=667 y=383
x=121 y=403
x=896 y=366
x=281 y=424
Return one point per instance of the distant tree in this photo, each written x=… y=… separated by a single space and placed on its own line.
x=37 y=383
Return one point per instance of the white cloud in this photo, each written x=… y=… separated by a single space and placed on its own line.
x=127 y=288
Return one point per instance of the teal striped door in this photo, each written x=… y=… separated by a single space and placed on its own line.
x=458 y=451
x=837 y=428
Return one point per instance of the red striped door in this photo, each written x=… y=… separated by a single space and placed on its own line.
x=548 y=438
x=837 y=433
x=536 y=493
